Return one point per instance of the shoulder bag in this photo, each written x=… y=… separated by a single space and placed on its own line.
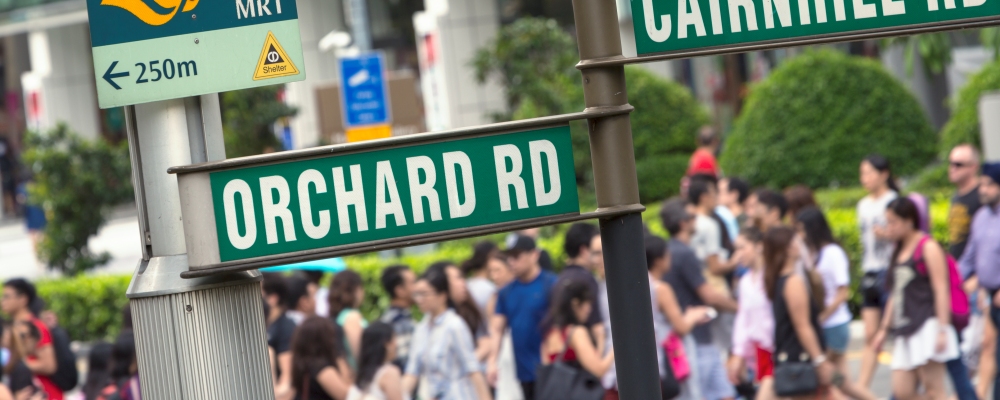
x=562 y=381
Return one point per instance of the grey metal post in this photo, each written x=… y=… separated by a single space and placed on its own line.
x=198 y=338
x=616 y=185
x=360 y=32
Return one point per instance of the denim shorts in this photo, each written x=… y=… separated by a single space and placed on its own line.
x=837 y=337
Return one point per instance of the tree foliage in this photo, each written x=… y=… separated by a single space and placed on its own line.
x=818 y=115
x=75 y=181
x=248 y=118
x=964 y=124
x=535 y=60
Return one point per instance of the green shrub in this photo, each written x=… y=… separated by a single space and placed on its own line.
x=88 y=307
x=248 y=118
x=963 y=127
x=818 y=115
x=931 y=179
x=75 y=181
x=534 y=58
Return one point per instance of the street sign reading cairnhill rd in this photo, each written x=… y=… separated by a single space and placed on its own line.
x=156 y=50
x=272 y=210
x=678 y=25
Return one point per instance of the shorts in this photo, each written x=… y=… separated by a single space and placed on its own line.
x=873 y=293
x=712 y=374
x=765 y=363
x=837 y=337
x=918 y=349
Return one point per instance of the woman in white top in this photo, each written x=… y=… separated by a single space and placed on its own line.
x=833 y=267
x=876 y=178
x=478 y=283
x=378 y=377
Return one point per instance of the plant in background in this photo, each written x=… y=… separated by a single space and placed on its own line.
x=534 y=58
x=964 y=124
x=248 y=118
x=935 y=49
x=814 y=119
x=88 y=307
x=76 y=181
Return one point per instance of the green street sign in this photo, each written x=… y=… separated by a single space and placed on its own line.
x=683 y=25
x=315 y=205
x=157 y=50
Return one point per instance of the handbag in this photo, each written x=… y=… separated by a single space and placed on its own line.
x=673 y=351
x=795 y=378
x=670 y=387
x=562 y=381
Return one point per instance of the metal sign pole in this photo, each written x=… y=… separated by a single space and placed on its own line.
x=200 y=338
x=617 y=186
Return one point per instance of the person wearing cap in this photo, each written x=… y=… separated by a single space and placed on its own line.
x=982 y=251
x=686 y=277
x=522 y=305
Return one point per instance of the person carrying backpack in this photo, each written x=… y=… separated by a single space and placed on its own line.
x=919 y=312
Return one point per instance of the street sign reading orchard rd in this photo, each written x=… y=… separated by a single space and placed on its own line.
x=685 y=25
x=149 y=51
x=267 y=212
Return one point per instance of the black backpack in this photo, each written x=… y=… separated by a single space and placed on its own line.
x=66 y=376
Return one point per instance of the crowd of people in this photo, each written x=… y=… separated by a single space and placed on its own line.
x=749 y=298
x=37 y=362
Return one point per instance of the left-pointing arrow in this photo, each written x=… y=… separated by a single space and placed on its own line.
x=110 y=76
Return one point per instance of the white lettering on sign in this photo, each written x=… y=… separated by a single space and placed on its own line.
x=780 y=7
x=424 y=190
x=690 y=21
x=537 y=148
x=246 y=9
x=273 y=210
x=234 y=187
x=313 y=230
x=460 y=160
x=658 y=35
x=354 y=197
x=734 y=15
x=687 y=18
x=385 y=181
x=506 y=179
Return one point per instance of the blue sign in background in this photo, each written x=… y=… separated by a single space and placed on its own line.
x=365 y=99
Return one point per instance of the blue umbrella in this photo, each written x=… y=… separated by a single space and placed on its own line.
x=333 y=265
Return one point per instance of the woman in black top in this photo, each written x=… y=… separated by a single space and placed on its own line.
x=797 y=332
x=918 y=312
x=319 y=371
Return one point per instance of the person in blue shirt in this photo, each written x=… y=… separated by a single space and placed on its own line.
x=522 y=305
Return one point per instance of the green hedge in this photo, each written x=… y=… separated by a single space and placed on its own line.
x=89 y=307
x=818 y=115
x=963 y=127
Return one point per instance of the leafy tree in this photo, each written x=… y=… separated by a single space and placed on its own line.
x=535 y=60
x=248 y=118
x=934 y=49
x=814 y=119
x=964 y=124
x=75 y=181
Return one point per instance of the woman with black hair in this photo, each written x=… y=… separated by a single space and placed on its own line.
x=4 y=391
x=378 y=377
x=918 y=312
x=798 y=337
x=319 y=371
x=442 y=356
x=460 y=300
x=481 y=289
x=346 y=295
x=125 y=368
x=876 y=178
x=576 y=346
x=834 y=268
x=98 y=371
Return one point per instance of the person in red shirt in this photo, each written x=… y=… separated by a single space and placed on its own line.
x=703 y=160
x=40 y=354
